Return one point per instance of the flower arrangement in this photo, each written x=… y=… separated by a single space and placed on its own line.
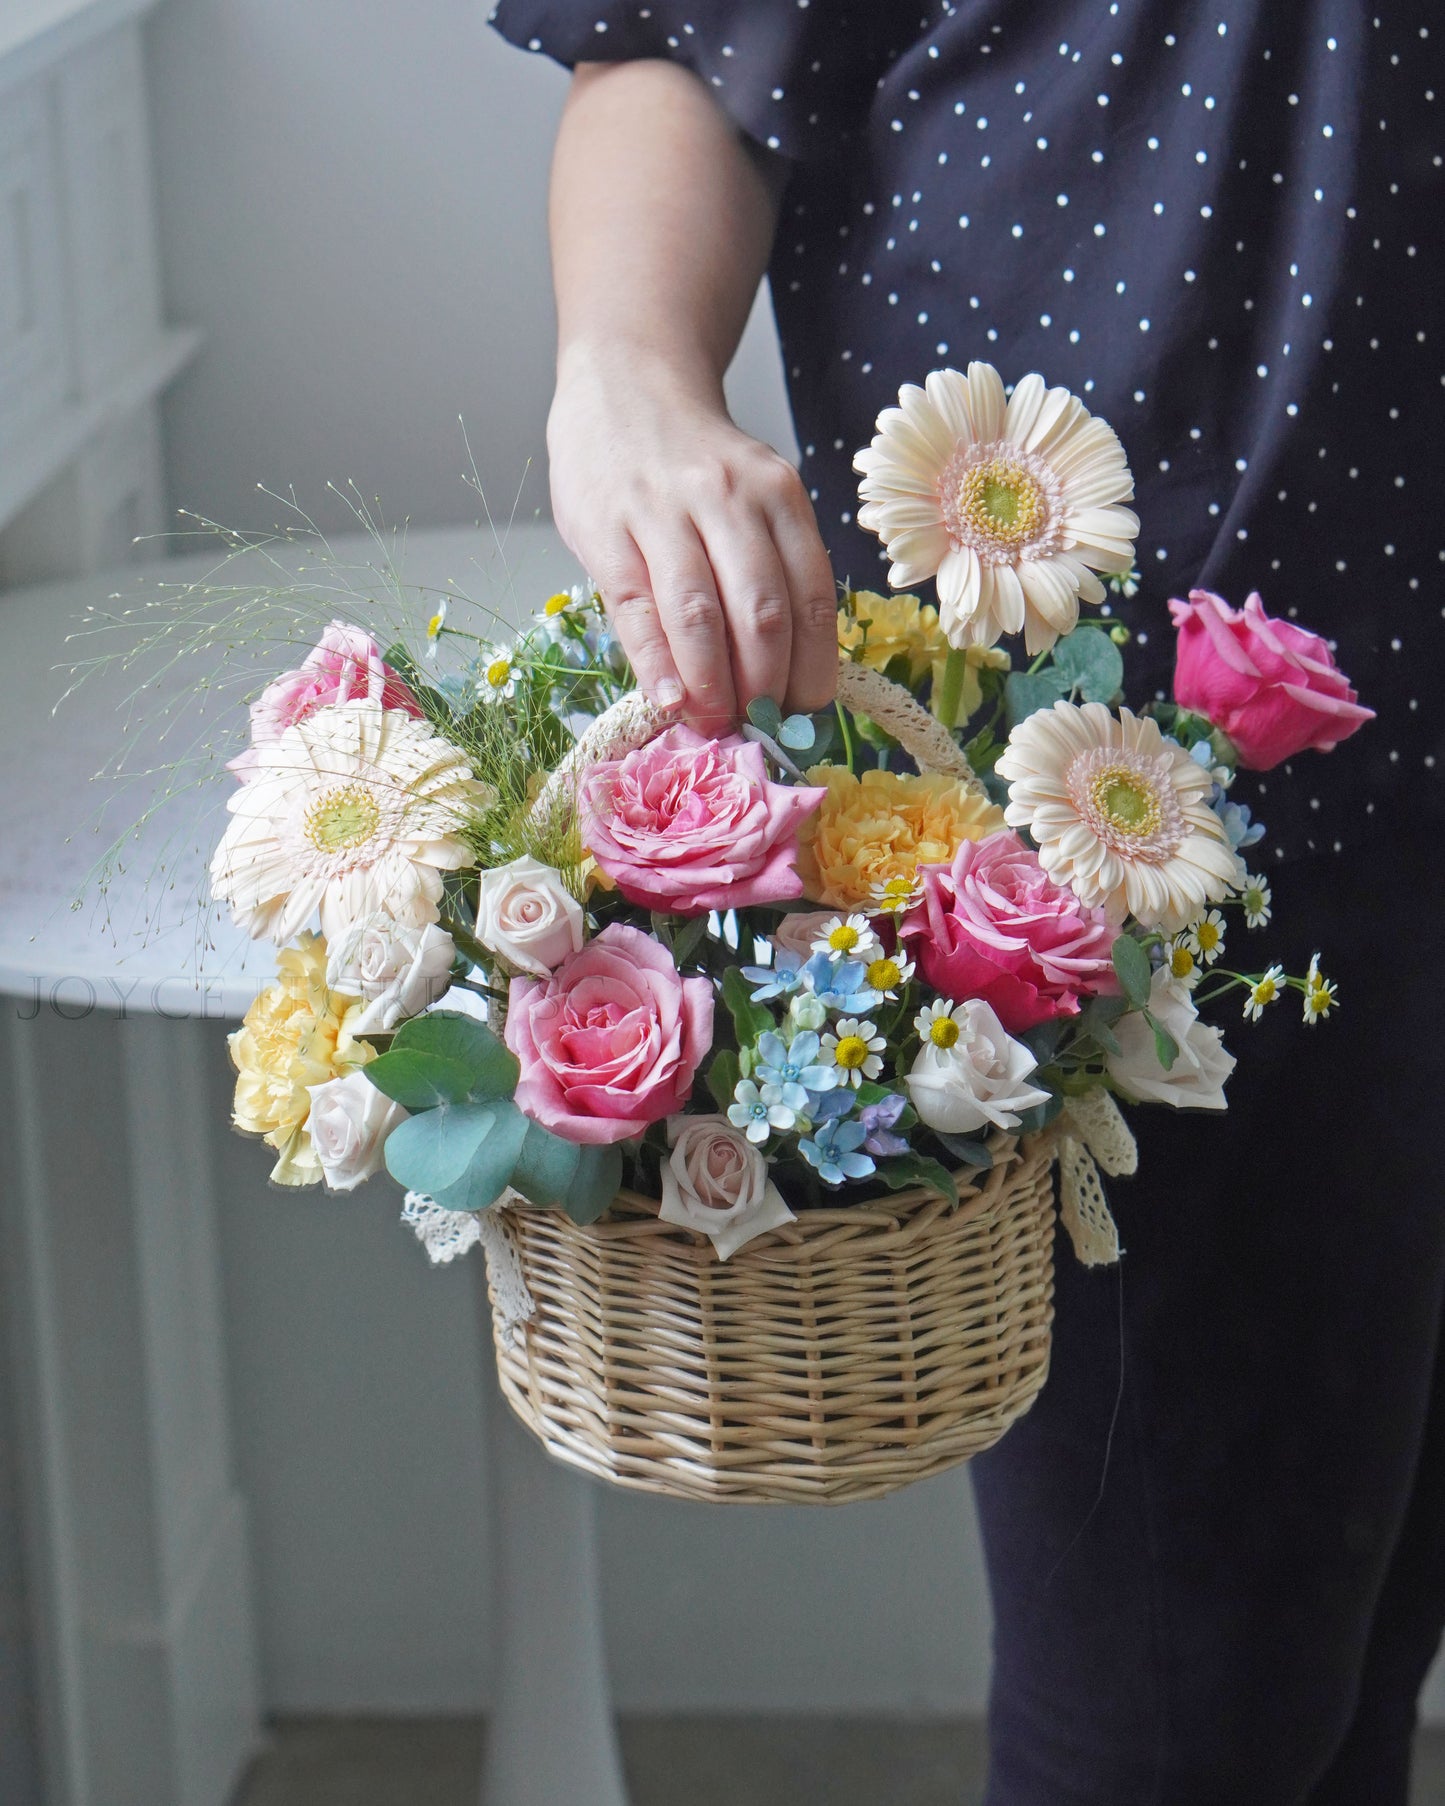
x=530 y=954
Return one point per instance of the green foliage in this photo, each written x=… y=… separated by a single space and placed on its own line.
x=722 y=1078
x=443 y=1058
x=1165 y=1046
x=903 y=1170
x=550 y=1170
x=1026 y=692
x=1040 y=1116
x=967 y=1151
x=1131 y=963
x=1091 y=664
x=765 y=715
x=749 y=1019
x=461 y=1156
x=1097 y=1018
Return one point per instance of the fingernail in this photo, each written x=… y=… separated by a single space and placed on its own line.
x=667 y=693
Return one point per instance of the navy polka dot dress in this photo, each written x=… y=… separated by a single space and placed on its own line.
x=1220 y=225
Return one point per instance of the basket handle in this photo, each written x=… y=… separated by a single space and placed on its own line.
x=632 y=721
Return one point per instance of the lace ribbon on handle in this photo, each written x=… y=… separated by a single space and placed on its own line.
x=1092 y=1134
x=448 y=1234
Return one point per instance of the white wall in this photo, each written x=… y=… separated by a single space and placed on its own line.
x=352 y=199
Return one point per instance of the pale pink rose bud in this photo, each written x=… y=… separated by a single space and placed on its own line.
x=717 y=1182
x=348 y=1125
x=526 y=914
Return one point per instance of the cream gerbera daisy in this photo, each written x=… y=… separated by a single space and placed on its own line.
x=1120 y=814
x=354 y=813
x=1011 y=503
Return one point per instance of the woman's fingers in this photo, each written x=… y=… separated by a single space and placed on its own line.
x=668 y=598
x=622 y=578
x=813 y=667
x=752 y=587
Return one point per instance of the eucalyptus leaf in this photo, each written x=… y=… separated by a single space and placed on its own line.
x=765 y=714
x=1026 y=692
x=1131 y=963
x=797 y=733
x=1091 y=662
x=417 y=1080
x=449 y=1035
x=461 y=1156
x=1166 y=1047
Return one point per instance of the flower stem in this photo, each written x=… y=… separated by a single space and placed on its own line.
x=950 y=689
x=847 y=733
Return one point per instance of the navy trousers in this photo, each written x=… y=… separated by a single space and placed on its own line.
x=1216 y=1545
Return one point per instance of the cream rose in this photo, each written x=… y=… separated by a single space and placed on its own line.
x=396 y=971
x=526 y=914
x=970 y=1073
x=716 y=1181
x=1201 y=1069
x=349 y=1123
x=796 y=932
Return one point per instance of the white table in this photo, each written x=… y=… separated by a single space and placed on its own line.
x=136 y=1543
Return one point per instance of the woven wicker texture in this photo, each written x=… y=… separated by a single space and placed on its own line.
x=846 y=1355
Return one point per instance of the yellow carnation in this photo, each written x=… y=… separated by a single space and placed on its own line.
x=884 y=825
x=295 y=1034
x=898 y=627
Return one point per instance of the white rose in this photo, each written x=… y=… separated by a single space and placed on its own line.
x=978 y=1082
x=398 y=972
x=348 y=1125
x=526 y=914
x=1197 y=1078
x=715 y=1180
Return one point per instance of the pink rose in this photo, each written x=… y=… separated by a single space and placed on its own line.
x=995 y=926
x=687 y=824
x=1274 y=688
x=611 y=1041
x=797 y=931
x=716 y=1180
x=345 y=665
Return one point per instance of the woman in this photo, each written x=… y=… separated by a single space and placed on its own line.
x=1217 y=1544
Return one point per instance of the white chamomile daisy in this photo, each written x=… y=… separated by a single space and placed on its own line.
x=496 y=674
x=1263 y=992
x=1320 y=996
x=848 y=937
x=1182 y=962
x=895 y=895
x=434 y=628
x=1256 y=898
x=1011 y=502
x=1206 y=937
x=887 y=974
x=1119 y=813
x=855 y=1049
x=938 y=1024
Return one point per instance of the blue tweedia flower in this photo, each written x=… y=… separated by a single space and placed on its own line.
x=793 y=1071
x=754 y=1114
x=833 y=1151
x=840 y=984
x=1237 y=825
x=833 y=1104
x=878 y=1120
x=779 y=980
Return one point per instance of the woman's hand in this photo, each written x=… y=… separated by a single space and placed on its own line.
x=701 y=540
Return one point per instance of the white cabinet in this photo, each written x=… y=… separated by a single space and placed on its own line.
x=84 y=349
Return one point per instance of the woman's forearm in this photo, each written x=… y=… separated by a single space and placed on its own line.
x=702 y=539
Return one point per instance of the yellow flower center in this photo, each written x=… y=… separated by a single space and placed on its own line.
x=344 y=817
x=434 y=625
x=554 y=605
x=1181 y=962
x=1321 y=1001
x=883 y=974
x=944 y=1032
x=1208 y=936
x=844 y=938
x=1127 y=800
x=1265 y=991
x=851 y=1052
x=1002 y=503
x=498 y=672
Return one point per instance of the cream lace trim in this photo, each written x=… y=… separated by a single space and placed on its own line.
x=1092 y=1134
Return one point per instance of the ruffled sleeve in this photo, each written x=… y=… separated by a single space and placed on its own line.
x=798 y=76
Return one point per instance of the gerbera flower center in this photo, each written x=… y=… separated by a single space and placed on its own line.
x=1128 y=801
x=851 y=1052
x=342 y=818
x=944 y=1032
x=1000 y=500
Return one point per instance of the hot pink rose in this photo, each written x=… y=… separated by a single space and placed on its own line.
x=345 y=665
x=1274 y=688
x=995 y=925
x=611 y=1041
x=687 y=824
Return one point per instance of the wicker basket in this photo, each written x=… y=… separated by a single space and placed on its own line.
x=839 y=1358
x=845 y=1355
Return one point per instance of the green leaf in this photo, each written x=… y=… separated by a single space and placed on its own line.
x=722 y=1078
x=749 y=1019
x=1091 y=662
x=1042 y=1040
x=797 y=733
x=1040 y=1116
x=462 y=1156
x=1131 y=963
x=1097 y=1019
x=662 y=929
x=449 y=1035
x=904 y=1170
x=1165 y=1046
x=550 y=1170
x=419 y=1081
x=765 y=714
x=1028 y=691
x=825 y=729
x=687 y=940
x=599 y=1174
x=966 y=1151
